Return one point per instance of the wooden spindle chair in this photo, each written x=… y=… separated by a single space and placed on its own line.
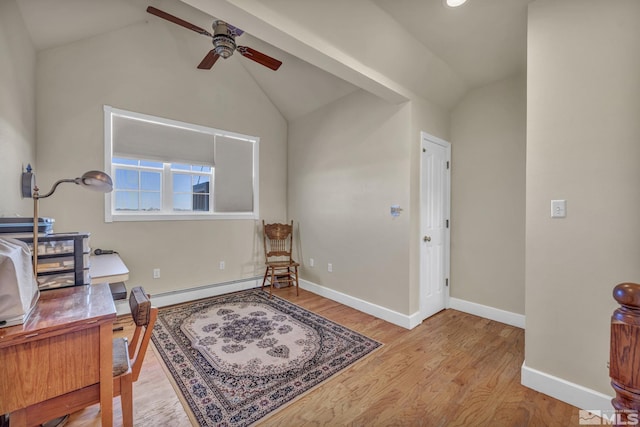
x=278 y=250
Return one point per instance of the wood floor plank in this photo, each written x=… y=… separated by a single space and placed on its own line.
x=454 y=369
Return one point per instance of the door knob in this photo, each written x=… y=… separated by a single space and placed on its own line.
x=427 y=238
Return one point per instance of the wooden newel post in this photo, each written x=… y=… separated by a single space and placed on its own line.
x=624 y=361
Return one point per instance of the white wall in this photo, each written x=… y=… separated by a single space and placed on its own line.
x=583 y=145
x=488 y=136
x=151 y=68
x=17 y=108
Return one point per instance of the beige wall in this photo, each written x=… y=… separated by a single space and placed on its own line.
x=17 y=108
x=583 y=145
x=151 y=68
x=425 y=117
x=348 y=163
x=488 y=136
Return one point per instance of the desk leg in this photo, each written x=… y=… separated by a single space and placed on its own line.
x=106 y=374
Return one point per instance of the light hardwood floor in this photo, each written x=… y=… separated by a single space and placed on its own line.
x=454 y=369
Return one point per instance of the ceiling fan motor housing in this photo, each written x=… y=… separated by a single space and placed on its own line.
x=223 y=41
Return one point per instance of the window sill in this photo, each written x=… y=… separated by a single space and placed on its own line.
x=179 y=217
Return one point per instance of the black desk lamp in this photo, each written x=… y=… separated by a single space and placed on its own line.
x=92 y=180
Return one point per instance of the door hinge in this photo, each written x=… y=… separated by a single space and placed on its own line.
x=446 y=282
x=447 y=164
x=447 y=223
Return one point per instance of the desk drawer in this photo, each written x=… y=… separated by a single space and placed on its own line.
x=60 y=263
x=61 y=280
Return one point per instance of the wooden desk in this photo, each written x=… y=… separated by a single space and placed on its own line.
x=65 y=345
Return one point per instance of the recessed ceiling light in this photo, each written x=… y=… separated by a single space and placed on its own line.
x=454 y=3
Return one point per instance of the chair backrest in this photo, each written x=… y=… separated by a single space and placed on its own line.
x=278 y=240
x=144 y=316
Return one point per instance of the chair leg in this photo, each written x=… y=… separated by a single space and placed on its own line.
x=126 y=400
x=266 y=271
x=273 y=280
x=296 y=271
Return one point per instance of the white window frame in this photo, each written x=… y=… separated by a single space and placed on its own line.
x=164 y=215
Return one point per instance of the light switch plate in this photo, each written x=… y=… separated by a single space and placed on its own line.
x=558 y=209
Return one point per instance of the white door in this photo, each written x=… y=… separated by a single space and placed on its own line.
x=434 y=224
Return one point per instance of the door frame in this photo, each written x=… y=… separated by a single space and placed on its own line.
x=447 y=208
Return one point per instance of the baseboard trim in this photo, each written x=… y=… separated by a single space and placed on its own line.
x=566 y=391
x=558 y=388
x=403 y=320
x=183 y=295
x=502 y=316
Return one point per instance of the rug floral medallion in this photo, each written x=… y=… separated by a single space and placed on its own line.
x=238 y=357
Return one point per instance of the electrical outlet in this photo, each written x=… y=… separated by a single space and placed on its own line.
x=330 y=268
x=311 y=262
x=222 y=265
x=156 y=273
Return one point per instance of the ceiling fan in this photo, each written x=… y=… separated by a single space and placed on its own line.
x=224 y=42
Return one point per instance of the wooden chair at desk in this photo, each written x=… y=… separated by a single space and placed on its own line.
x=127 y=363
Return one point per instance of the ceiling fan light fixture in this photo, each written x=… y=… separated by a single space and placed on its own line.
x=224 y=44
x=454 y=3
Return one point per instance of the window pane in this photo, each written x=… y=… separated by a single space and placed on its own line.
x=182 y=202
x=122 y=161
x=150 y=164
x=181 y=183
x=126 y=200
x=206 y=169
x=150 y=201
x=200 y=183
x=201 y=202
x=126 y=179
x=178 y=166
x=150 y=181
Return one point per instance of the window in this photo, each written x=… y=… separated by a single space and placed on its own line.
x=168 y=170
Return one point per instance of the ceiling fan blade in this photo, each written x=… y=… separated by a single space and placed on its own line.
x=259 y=57
x=209 y=60
x=164 y=15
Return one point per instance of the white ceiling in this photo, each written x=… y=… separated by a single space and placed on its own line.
x=482 y=41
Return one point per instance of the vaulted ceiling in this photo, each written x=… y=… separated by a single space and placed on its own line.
x=469 y=46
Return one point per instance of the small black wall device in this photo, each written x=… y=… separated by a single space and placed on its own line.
x=104 y=252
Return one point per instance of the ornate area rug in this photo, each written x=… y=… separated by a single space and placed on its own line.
x=238 y=357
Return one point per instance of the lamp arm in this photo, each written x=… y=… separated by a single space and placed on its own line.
x=36 y=195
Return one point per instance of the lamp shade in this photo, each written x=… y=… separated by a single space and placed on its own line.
x=96 y=181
